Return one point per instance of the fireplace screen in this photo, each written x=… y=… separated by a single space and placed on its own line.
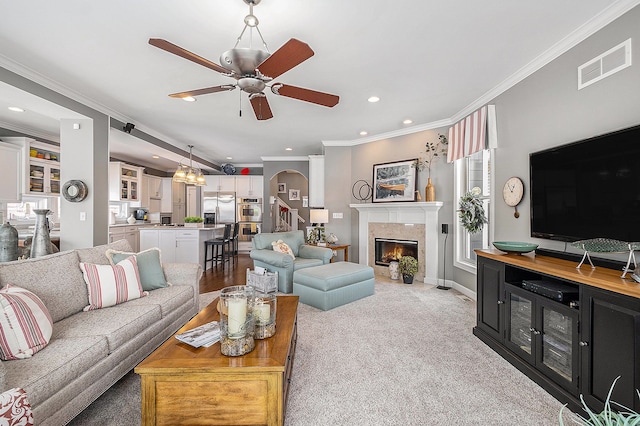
x=388 y=250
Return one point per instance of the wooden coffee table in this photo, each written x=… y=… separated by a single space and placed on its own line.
x=182 y=384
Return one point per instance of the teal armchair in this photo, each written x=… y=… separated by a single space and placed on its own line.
x=306 y=256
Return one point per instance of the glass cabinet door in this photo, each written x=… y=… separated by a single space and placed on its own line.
x=520 y=309
x=557 y=354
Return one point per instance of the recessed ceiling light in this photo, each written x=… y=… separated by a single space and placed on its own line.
x=288 y=149
x=229 y=158
x=363 y=133
x=155 y=157
x=189 y=99
x=16 y=109
x=407 y=121
x=373 y=99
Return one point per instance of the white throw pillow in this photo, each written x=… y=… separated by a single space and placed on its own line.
x=282 y=247
x=25 y=323
x=110 y=285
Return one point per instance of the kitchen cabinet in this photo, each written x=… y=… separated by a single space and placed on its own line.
x=316 y=181
x=178 y=244
x=249 y=186
x=166 y=203
x=11 y=164
x=151 y=193
x=129 y=233
x=124 y=182
x=40 y=165
x=220 y=183
x=178 y=204
x=571 y=346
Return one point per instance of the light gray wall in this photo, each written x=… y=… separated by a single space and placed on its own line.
x=547 y=110
x=76 y=147
x=544 y=110
x=360 y=160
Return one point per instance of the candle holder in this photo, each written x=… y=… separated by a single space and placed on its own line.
x=236 y=320
x=264 y=312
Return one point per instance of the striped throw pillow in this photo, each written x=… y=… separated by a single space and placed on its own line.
x=25 y=323
x=110 y=285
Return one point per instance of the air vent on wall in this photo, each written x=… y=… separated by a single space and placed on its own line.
x=609 y=63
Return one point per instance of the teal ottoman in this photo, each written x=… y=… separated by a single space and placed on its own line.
x=334 y=284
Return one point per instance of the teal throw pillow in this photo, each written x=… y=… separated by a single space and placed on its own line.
x=149 y=266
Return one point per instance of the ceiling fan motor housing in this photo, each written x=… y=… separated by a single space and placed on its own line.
x=243 y=61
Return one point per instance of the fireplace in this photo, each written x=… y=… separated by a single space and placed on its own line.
x=387 y=250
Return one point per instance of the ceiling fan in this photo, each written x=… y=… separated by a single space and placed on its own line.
x=254 y=70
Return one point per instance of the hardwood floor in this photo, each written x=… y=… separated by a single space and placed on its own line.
x=233 y=274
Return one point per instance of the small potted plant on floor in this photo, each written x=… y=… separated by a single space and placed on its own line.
x=193 y=222
x=408 y=266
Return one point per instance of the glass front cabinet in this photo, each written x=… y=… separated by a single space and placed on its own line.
x=545 y=333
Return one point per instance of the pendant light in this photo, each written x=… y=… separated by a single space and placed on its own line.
x=189 y=175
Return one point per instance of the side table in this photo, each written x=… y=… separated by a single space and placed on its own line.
x=338 y=247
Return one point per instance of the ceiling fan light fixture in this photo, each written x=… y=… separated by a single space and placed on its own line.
x=251 y=20
x=189 y=98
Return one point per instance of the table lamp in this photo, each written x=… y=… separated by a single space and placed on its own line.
x=318 y=217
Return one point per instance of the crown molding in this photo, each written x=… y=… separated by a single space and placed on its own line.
x=38 y=134
x=392 y=134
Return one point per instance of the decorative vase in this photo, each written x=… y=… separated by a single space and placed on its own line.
x=131 y=220
x=430 y=191
x=41 y=242
x=264 y=312
x=8 y=243
x=418 y=196
x=394 y=272
x=237 y=320
x=407 y=279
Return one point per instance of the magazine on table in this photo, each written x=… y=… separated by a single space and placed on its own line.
x=202 y=336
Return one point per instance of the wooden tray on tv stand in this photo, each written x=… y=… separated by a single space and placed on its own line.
x=181 y=383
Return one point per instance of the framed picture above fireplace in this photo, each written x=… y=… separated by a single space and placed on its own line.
x=394 y=181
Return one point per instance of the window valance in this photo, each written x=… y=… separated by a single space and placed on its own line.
x=474 y=133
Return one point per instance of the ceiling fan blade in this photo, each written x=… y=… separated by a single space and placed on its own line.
x=183 y=53
x=292 y=53
x=198 y=92
x=306 y=95
x=260 y=106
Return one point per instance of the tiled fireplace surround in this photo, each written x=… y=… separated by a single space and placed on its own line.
x=410 y=221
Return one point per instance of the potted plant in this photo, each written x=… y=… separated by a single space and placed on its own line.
x=193 y=222
x=607 y=417
x=471 y=212
x=408 y=266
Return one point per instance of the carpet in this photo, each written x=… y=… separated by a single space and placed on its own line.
x=404 y=356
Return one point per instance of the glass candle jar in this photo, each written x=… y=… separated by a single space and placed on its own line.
x=264 y=312
x=236 y=320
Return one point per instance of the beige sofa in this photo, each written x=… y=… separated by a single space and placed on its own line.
x=90 y=351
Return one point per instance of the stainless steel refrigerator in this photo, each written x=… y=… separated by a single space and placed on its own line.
x=223 y=204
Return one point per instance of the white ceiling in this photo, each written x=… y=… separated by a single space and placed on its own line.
x=428 y=60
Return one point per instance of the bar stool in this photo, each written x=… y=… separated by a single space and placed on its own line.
x=234 y=241
x=216 y=244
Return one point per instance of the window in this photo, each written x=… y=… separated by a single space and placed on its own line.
x=472 y=172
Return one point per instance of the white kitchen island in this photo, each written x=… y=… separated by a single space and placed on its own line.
x=179 y=244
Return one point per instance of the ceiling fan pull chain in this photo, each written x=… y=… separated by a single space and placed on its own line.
x=240 y=100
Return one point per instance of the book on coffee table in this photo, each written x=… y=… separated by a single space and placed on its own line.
x=204 y=335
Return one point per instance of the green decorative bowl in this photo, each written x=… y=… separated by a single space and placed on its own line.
x=514 y=246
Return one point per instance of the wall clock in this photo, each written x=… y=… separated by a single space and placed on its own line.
x=74 y=191
x=512 y=193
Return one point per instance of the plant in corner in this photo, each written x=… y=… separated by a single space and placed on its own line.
x=408 y=266
x=471 y=212
x=607 y=417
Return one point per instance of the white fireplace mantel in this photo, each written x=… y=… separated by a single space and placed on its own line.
x=405 y=213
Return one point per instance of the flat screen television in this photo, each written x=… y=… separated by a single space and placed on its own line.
x=587 y=189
